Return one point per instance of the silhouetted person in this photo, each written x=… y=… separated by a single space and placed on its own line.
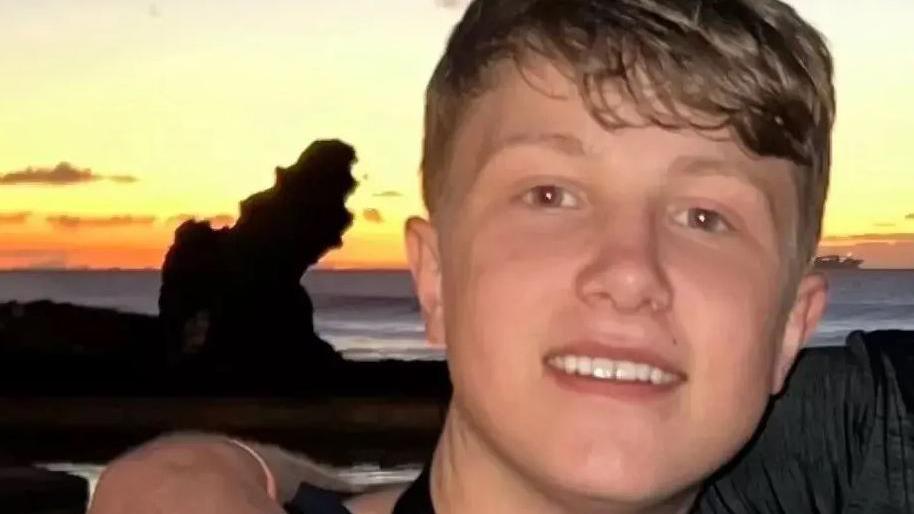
x=236 y=293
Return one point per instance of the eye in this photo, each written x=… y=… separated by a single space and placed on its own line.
x=551 y=196
x=703 y=219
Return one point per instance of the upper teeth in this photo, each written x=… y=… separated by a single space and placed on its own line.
x=609 y=369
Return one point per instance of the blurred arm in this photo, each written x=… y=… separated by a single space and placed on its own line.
x=204 y=474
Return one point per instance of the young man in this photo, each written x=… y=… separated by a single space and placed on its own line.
x=624 y=199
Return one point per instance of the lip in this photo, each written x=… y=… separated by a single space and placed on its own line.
x=620 y=390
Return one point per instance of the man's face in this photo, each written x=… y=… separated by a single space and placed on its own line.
x=608 y=299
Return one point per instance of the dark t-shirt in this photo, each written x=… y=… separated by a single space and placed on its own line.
x=839 y=440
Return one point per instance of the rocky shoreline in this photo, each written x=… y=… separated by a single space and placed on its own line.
x=54 y=349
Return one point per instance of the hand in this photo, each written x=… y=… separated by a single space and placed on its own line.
x=184 y=475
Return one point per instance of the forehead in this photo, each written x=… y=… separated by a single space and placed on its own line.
x=535 y=104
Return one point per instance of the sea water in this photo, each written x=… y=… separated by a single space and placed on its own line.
x=374 y=314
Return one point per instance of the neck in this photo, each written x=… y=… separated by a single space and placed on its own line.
x=469 y=475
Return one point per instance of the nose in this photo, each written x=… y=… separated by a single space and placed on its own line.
x=624 y=267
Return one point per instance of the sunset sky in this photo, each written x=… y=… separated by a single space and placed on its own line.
x=120 y=118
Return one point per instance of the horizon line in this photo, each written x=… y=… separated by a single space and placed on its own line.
x=317 y=268
x=159 y=269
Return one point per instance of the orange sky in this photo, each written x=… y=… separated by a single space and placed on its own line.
x=183 y=108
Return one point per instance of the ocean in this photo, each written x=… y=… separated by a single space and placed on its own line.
x=373 y=314
x=367 y=315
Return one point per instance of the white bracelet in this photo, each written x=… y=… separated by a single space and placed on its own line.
x=271 y=480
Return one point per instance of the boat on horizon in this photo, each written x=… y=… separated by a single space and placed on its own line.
x=837 y=262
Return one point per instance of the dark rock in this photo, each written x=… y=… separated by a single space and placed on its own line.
x=235 y=333
x=234 y=295
x=48 y=329
x=27 y=490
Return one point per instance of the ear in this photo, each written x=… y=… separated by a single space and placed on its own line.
x=425 y=266
x=805 y=313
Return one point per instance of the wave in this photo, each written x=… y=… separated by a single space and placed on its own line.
x=882 y=311
x=357 y=302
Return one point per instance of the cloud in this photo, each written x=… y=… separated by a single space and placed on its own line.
x=217 y=220
x=49 y=263
x=31 y=258
x=67 y=222
x=122 y=179
x=909 y=216
x=871 y=236
x=388 y=194
x=884 y=224
x=64 y=174
x=221 y=220
x=180 y=218
x=450 y=4
x=372 y=216
x=14 y=218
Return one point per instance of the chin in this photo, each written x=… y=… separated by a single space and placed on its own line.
x=636 y=490
x=616 y=476
x=635 y=486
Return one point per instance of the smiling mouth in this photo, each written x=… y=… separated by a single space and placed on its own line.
x=611 y=370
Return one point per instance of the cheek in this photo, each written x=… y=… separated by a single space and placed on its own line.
x=502 y=291
x=725 y=314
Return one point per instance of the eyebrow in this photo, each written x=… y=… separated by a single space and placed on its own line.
x=561 y=142
x=571 y=145
x=705 y=166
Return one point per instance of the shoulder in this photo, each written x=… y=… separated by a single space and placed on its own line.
x=843 y=394
x=870 y=363
x=841 y=434
x=891 y=357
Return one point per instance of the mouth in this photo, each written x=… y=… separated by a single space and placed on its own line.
x=628 y=373
x=610 y=370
